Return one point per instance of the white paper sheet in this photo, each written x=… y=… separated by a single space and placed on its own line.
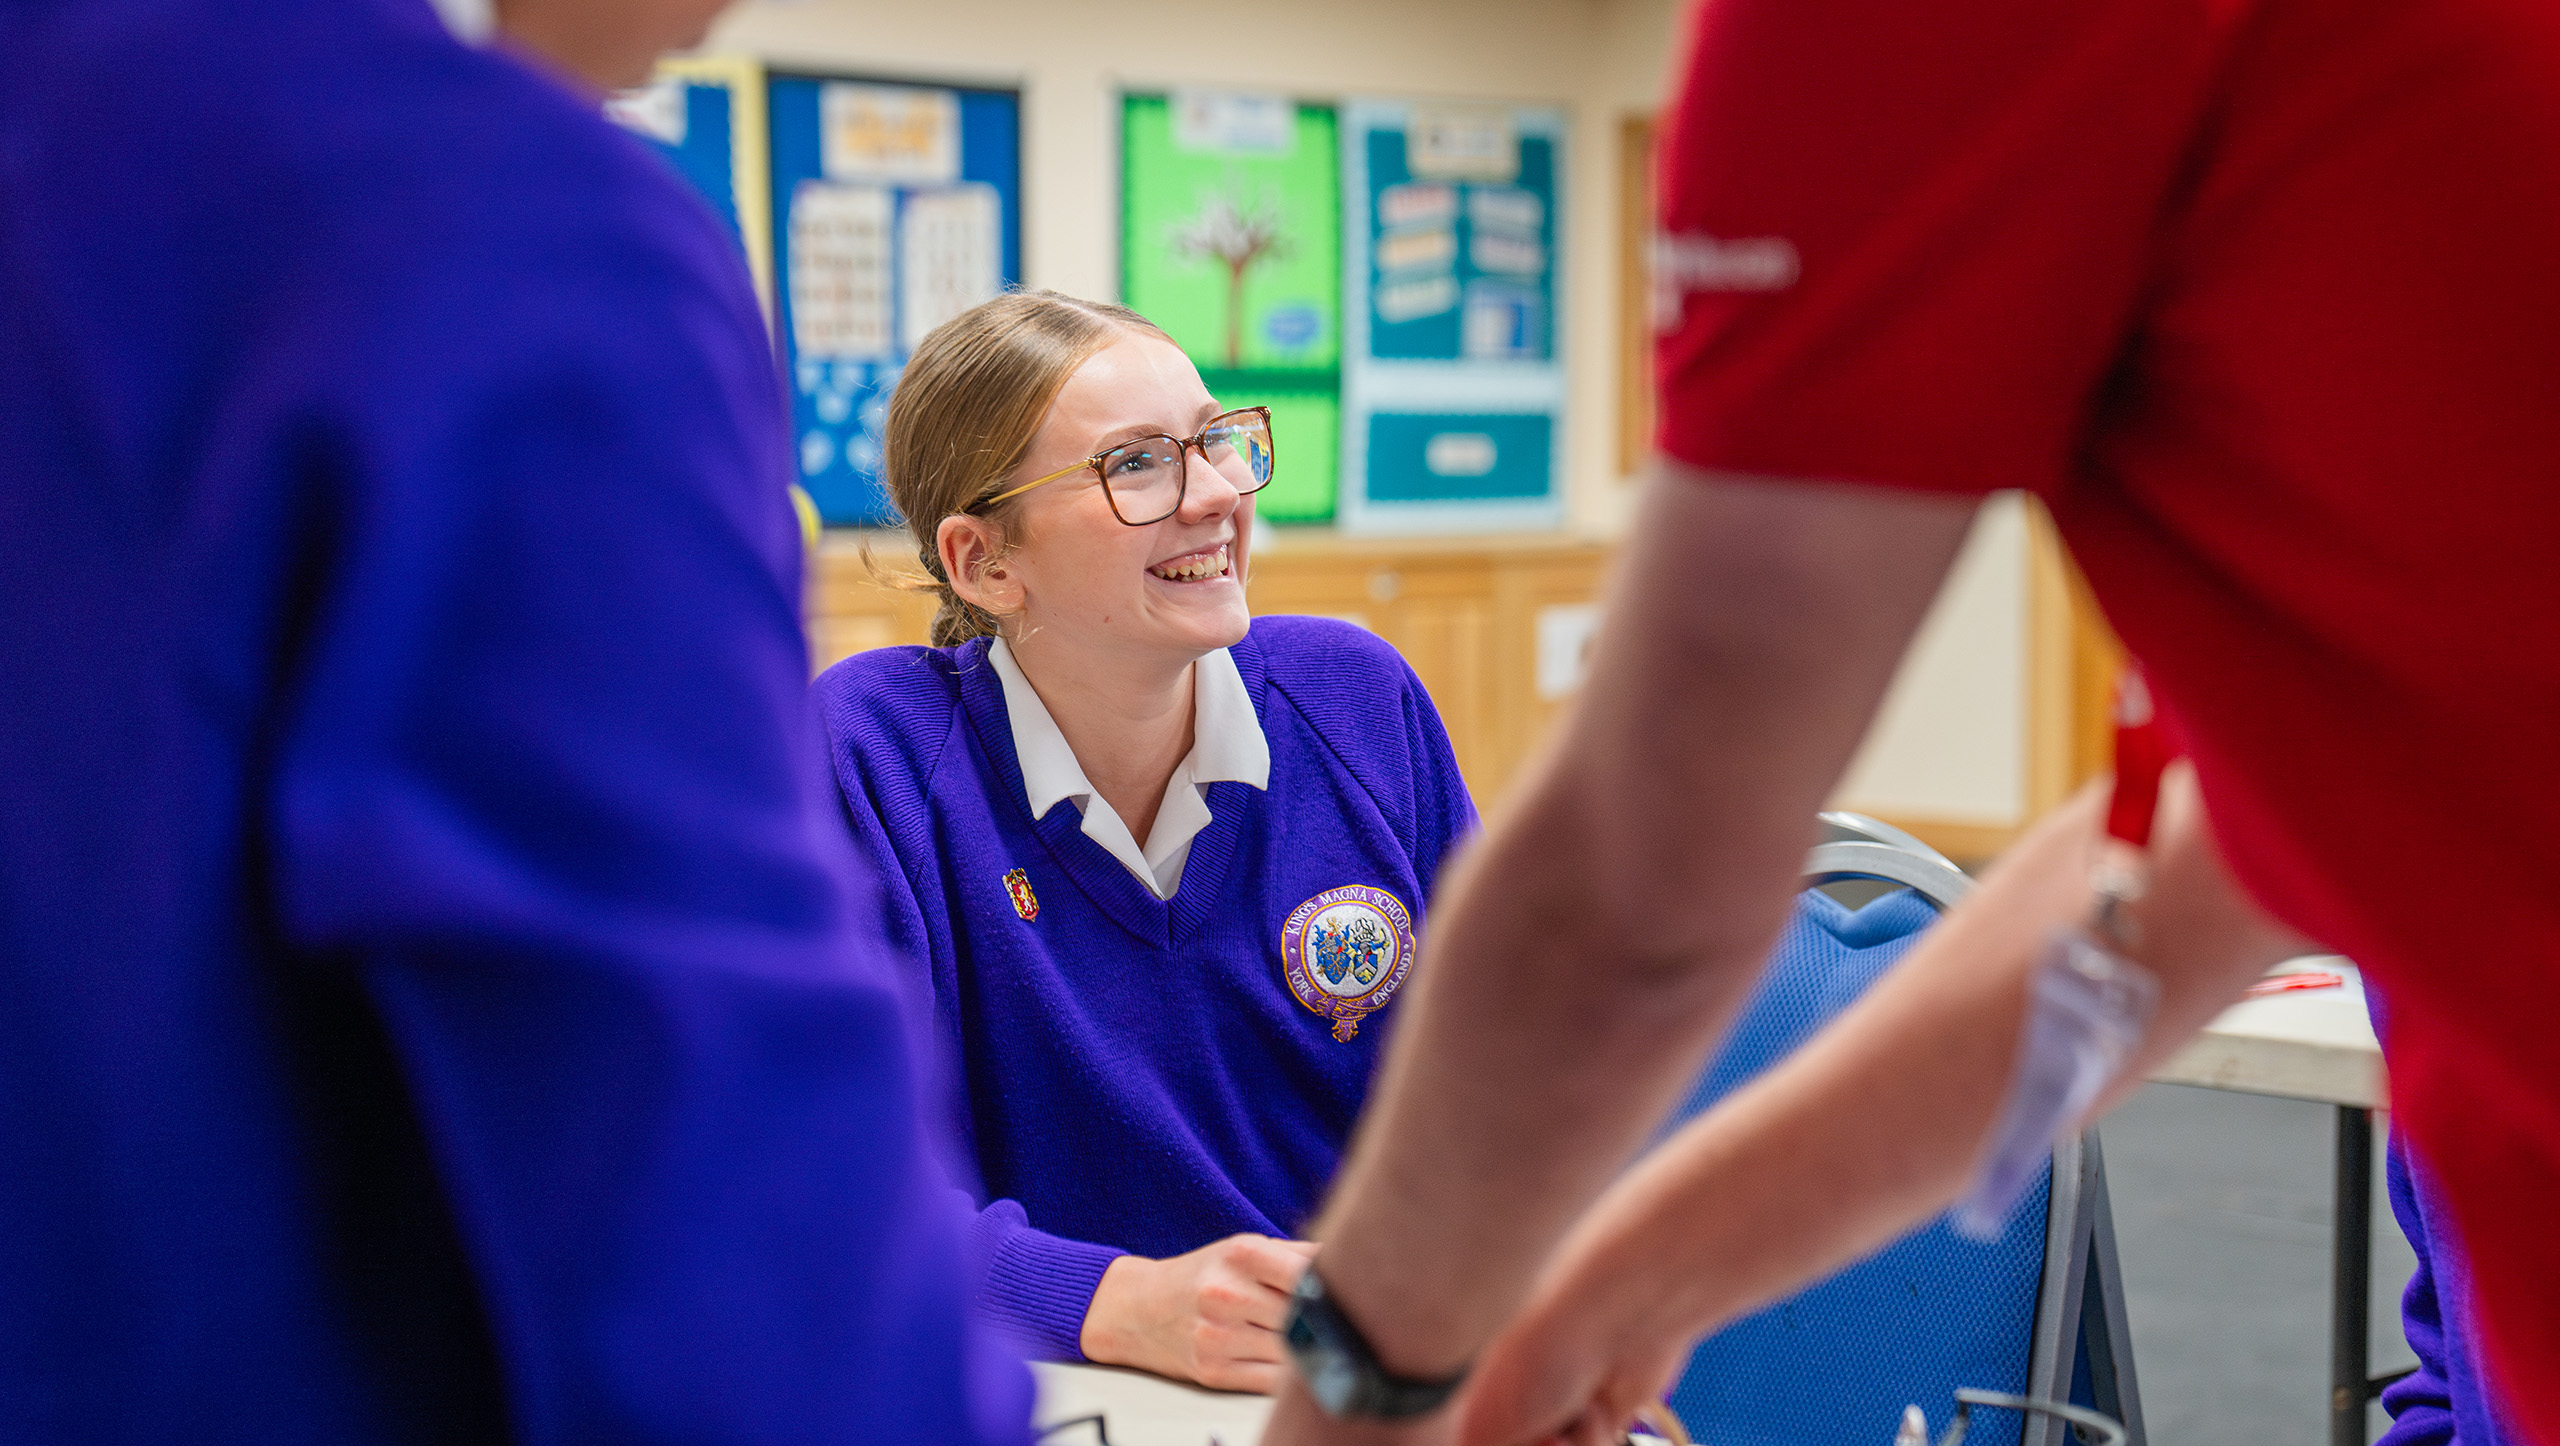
x=1462 y=142
x=951 y=257
x=905 y=134
x=839 y=281
x=1234 y=123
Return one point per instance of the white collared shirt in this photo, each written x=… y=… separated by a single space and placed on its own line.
x=471 y=21
x=1226 y=746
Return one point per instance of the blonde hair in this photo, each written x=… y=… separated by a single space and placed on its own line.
x=964 y=413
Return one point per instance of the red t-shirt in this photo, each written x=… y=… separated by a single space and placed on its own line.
x=2263 y=298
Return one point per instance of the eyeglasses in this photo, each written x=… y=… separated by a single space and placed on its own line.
x=1144 y=480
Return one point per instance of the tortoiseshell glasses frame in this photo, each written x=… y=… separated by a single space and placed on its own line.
x=1145 y=479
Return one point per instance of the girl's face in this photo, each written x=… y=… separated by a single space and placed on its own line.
x=1172 y=589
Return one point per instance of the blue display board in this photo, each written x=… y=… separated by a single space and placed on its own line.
x=705 y=115
x=1453 y=397
x=894 y=207
x=702 y=151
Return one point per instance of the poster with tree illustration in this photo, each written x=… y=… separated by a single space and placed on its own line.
x=1230 y=240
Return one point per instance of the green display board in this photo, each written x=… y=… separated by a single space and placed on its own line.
x=1231 y=218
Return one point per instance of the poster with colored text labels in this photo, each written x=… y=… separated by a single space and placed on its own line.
x=1230 y=241
x=896 y=207
x=1452 y=390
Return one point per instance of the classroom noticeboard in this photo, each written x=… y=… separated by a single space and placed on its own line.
x=1230 y=241
x=1452 y=394
x=894 y=208
x=705 y=115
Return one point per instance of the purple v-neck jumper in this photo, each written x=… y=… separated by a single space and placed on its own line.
x=1134 y=1074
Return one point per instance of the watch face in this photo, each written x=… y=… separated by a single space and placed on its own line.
x=1334 y=1382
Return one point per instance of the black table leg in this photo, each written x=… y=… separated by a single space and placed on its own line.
x=2350 y=1273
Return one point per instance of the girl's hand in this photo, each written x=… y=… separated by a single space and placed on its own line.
x=1212 y=1316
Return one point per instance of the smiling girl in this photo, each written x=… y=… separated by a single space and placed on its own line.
x=1159 y=863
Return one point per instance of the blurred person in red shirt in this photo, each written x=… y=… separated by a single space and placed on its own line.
x=2258 y=296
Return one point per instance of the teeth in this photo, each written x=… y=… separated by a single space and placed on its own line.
x=1207 y=564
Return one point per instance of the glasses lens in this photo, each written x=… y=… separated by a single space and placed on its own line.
x=1145 y=478
x=1239 y=446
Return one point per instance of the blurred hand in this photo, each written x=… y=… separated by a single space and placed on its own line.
x=1212 y=1316
x=1574 y=1366
x=2195 y=917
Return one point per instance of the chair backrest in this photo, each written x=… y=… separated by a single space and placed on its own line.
x=1857 y=827
x=1931 y=1312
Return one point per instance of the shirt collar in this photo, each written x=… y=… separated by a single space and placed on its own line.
x=1049 y=768
x=1227 y=742
x=469 y=20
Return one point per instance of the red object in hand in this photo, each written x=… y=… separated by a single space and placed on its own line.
x=2144 y=748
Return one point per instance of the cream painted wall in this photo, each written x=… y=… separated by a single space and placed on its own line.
x=1950 y=745
x=1951 y=742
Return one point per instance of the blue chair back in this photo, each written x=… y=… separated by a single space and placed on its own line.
x=1909 y=1324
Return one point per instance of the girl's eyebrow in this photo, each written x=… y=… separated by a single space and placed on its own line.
x=1130 y=433
x=1134 y=430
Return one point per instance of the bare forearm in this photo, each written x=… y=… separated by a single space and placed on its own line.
x=1538 y=1081
x=1581 y=962
x=1876 y=1123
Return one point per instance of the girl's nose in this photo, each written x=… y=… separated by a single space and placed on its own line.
x=1208 y=493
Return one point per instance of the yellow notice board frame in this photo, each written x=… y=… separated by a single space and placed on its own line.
x=750 y=156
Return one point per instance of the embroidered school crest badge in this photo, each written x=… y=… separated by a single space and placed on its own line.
x=1026 y=903
x=1345 y=951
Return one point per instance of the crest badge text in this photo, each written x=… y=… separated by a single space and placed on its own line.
x=1345 y=951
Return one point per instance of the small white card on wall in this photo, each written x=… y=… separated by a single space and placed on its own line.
x=1566 y=633
x=1234 y=123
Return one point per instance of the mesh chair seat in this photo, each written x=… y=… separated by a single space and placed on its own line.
x=1839 y=1361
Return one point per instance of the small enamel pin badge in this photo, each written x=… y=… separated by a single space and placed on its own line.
x=1026 y=903
x=1345 y=951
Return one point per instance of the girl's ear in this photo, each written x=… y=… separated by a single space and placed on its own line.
x=972 y=553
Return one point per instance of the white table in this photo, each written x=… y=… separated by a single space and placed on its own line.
x=1142 y=1410
x=2314 y=1044
x=2311 y=1044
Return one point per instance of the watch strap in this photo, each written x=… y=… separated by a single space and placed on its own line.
x=1343 y=1371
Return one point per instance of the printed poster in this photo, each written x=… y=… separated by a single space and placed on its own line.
x=1452 y=396
x=1461 y=240
x=897 y=208
x=1231 y=241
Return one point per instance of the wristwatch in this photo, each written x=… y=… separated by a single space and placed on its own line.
x=1340 y=1369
